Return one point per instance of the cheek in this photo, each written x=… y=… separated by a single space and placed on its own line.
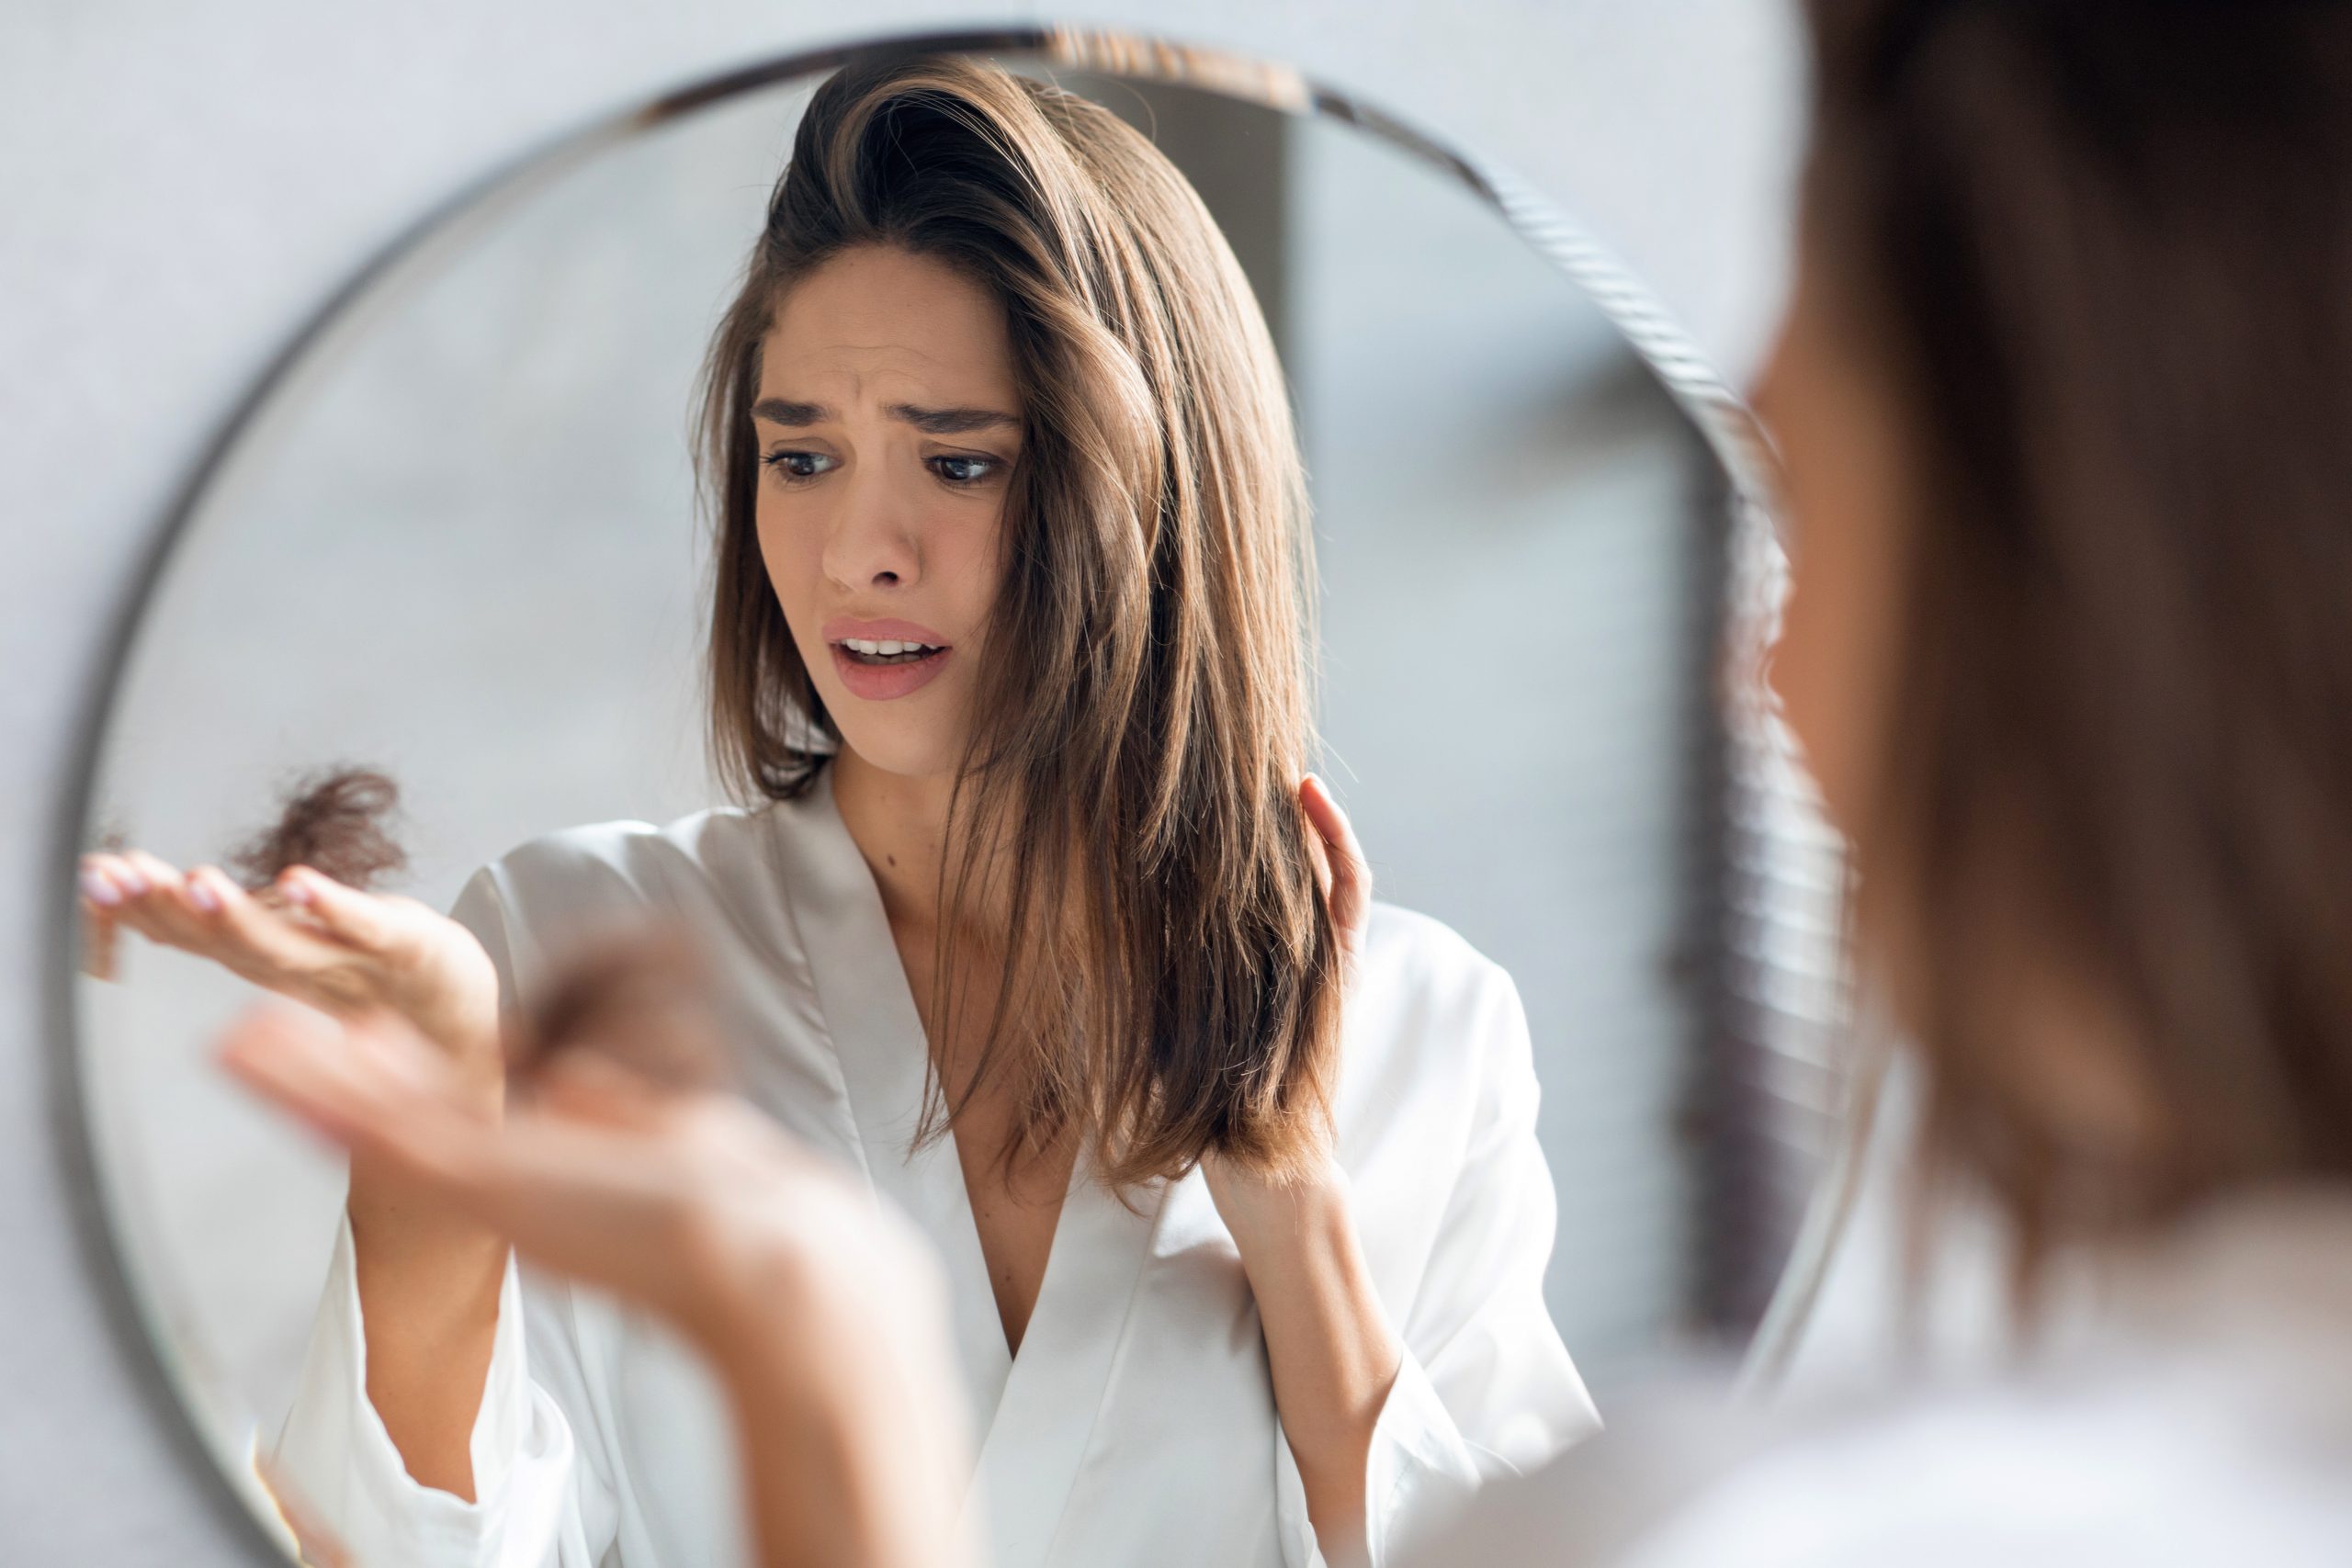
x=789 y=556
x=1834 y=667
x=1837 y=648
x=967 y=562
x=1808 y=670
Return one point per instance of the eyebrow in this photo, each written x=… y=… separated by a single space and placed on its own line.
x=930 y=421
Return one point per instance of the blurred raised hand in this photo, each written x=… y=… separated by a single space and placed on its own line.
x=823 y=1312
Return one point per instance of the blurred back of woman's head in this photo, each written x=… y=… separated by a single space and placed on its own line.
x=2067 y=403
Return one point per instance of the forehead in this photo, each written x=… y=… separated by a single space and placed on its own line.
x=880 y=325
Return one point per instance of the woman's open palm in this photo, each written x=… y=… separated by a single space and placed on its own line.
x=309 y=938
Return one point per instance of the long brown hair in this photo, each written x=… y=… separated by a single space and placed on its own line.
x=2104 y=253
x=1128 y=800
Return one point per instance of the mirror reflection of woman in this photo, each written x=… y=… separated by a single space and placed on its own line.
x=1038 y=924
x=2061 y=398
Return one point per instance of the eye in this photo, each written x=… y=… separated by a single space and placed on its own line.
x=961 y=472
x=799 y=468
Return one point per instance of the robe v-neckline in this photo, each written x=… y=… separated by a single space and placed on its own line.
x=1035 y=1413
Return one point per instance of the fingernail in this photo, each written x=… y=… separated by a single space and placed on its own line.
x=99 y=888
x=294 y=887
x=202 y=893
x=132 y=880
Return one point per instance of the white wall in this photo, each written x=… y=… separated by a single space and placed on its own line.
x=183 y=182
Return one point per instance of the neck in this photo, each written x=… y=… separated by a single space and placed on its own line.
x=899 y=825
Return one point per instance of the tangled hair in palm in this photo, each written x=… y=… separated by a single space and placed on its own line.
x=334 y=820
x=1126 y=824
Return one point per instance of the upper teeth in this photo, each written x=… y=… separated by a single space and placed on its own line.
x=861 y=644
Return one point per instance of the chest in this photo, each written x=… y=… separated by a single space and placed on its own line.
x=1017 y=1196
x=1016 y=1191
x=1138 y=1427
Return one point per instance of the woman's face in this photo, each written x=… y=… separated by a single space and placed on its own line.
x=1837 y=427
x=889 y=424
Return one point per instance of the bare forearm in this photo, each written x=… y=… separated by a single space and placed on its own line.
x=428 y=1283
x=850 y=1442
x=1332 y=1353
x=827 y=1488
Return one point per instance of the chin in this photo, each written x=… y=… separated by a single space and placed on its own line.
x=914 y=752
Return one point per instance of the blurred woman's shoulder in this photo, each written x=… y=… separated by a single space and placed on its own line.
x=2198 y=1411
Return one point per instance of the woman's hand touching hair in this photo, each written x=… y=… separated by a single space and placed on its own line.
x=1339 y=866
x=822 y=1314
x=1328 y=1343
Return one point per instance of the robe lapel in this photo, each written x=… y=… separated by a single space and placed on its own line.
x=1063 y=1378
x=878 y=1035
x=1035 y=1414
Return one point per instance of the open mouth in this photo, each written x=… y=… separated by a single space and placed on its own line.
x=884 y=653
x=877 y=668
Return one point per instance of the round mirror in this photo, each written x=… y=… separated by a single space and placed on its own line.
x=454 y=543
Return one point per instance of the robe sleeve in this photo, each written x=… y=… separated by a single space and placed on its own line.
x=1485 y=1388
x=539 y=1501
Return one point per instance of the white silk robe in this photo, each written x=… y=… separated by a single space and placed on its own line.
x=1136 y=1426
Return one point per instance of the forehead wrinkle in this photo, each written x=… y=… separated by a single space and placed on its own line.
x=863 y=356
x=843 y=384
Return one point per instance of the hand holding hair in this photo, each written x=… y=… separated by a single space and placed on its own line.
x=822 y=1313
x=300 y=921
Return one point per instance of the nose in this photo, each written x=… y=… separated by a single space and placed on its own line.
x=873 y=543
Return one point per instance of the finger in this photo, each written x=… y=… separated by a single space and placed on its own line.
x=150 y=873
x=1317 y=852
x=102 y=899
x=1351 y=892
x=374 y=1092
x=361 y=920
x=376 y=1089
x=588 y=1085
x=118 y=870
x=99 y=943
x=248 y=932
x=282 y=1054
x=156 y=906
x=99 y=884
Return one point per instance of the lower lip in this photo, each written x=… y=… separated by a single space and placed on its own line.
x=887 y=683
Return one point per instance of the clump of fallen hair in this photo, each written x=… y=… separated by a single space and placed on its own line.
x=642 y=999
x=333 y=822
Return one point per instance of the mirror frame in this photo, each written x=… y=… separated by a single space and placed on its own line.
x=1751 y=577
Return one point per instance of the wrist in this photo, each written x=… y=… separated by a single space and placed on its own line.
x=820 y=1451
x=839 y=1375
x=747 y=1316
x=397 y=1225
x=452 y=998
x=1279 y=1219
x=800 y=1304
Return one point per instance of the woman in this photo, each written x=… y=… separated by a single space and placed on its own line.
x=1009 y=639
x=2065 y=405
